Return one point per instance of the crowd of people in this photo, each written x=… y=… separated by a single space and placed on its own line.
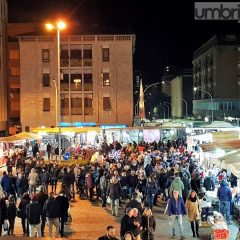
x=135 y=180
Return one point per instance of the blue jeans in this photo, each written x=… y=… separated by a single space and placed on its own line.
x=149 y=200
x=224 y=208
x=180 y=222
x=130 y=192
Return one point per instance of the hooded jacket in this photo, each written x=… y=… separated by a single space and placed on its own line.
x=177 y=185
x=224 y=192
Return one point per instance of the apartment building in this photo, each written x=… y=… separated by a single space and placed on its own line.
x=3 y=68
x=216 y=74
x=96 y=82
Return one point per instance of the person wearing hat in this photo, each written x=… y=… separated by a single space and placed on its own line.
x=34 y=213
x=64 y=206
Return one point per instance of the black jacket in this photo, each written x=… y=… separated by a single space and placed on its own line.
x=52 y=208
x=126 y=225
x=22 y=206
x=148 y=225
x=42 y=198
x=114 y=190
x=3 y=210
x=63 y=203
x=34 y=212
x=11 y=210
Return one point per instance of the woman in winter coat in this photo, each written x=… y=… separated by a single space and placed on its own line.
x=151 y=189
x=148 y=225
x=193 y=210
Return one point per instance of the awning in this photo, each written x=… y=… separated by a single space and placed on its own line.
x=228 y=145
x=21 y=136
x=65 y=129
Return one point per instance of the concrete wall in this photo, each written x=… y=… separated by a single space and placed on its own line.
x=176 y=96
x=3 y=68
x=120 y=90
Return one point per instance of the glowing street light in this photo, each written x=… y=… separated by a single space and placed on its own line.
x=59 y=26
x=200 y=89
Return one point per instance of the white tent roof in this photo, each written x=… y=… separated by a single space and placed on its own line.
x=231 y=161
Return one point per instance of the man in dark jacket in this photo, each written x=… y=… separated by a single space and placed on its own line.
x=110 y=235
x=3 y=213
x=6 y=183
x=45 y=180
x=134 y=203
x=34 y=212
x=132 y=183
x=127 y=222
x=225 y=197
x=52 y=210
x=209 y=182
x=42 y=198
x=176 y=210
x=64 y=205
x=114 y=193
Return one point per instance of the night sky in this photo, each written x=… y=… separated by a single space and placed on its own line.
x=166 y=32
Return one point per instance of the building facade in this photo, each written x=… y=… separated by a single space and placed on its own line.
x=216 y=70
x=96 y=79
x=3 y=68
x=14 y=30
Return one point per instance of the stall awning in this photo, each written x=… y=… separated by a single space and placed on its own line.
x=20 y=136
x=66 y=129
x=228 y=145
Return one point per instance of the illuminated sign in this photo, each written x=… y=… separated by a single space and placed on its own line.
x=78 y=124
x=108 y=126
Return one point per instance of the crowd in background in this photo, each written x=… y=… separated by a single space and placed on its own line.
x=133 y=179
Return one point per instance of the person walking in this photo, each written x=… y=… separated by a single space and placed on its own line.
x=177 y=185
x=148 y=223
x=225 y=197
x=6 y=183
x=33 y=181
x=151 y=190
x=64 y=206
x=3 y=213
x=194 y=212
x=42 y=198
x=209 y=182
x=22 y=207
x=49 y=150
x=34 y=213
x=11 y=214
x=103 y=188
x=45 y=180
x=114 y=193
x=52 y=210
x=127 y=222
x=176 y=209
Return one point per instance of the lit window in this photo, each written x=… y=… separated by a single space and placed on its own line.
x=106 y=80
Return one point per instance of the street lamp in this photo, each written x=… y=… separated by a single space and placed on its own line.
x=59 y=26
x=165 y=105
x=200 y=89
x=171 y=107
x=136 y=110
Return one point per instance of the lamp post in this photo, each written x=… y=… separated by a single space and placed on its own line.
x=200 y=89
x=136 y=105
x=59 y=26
x=171 y=106
x=165 y=105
